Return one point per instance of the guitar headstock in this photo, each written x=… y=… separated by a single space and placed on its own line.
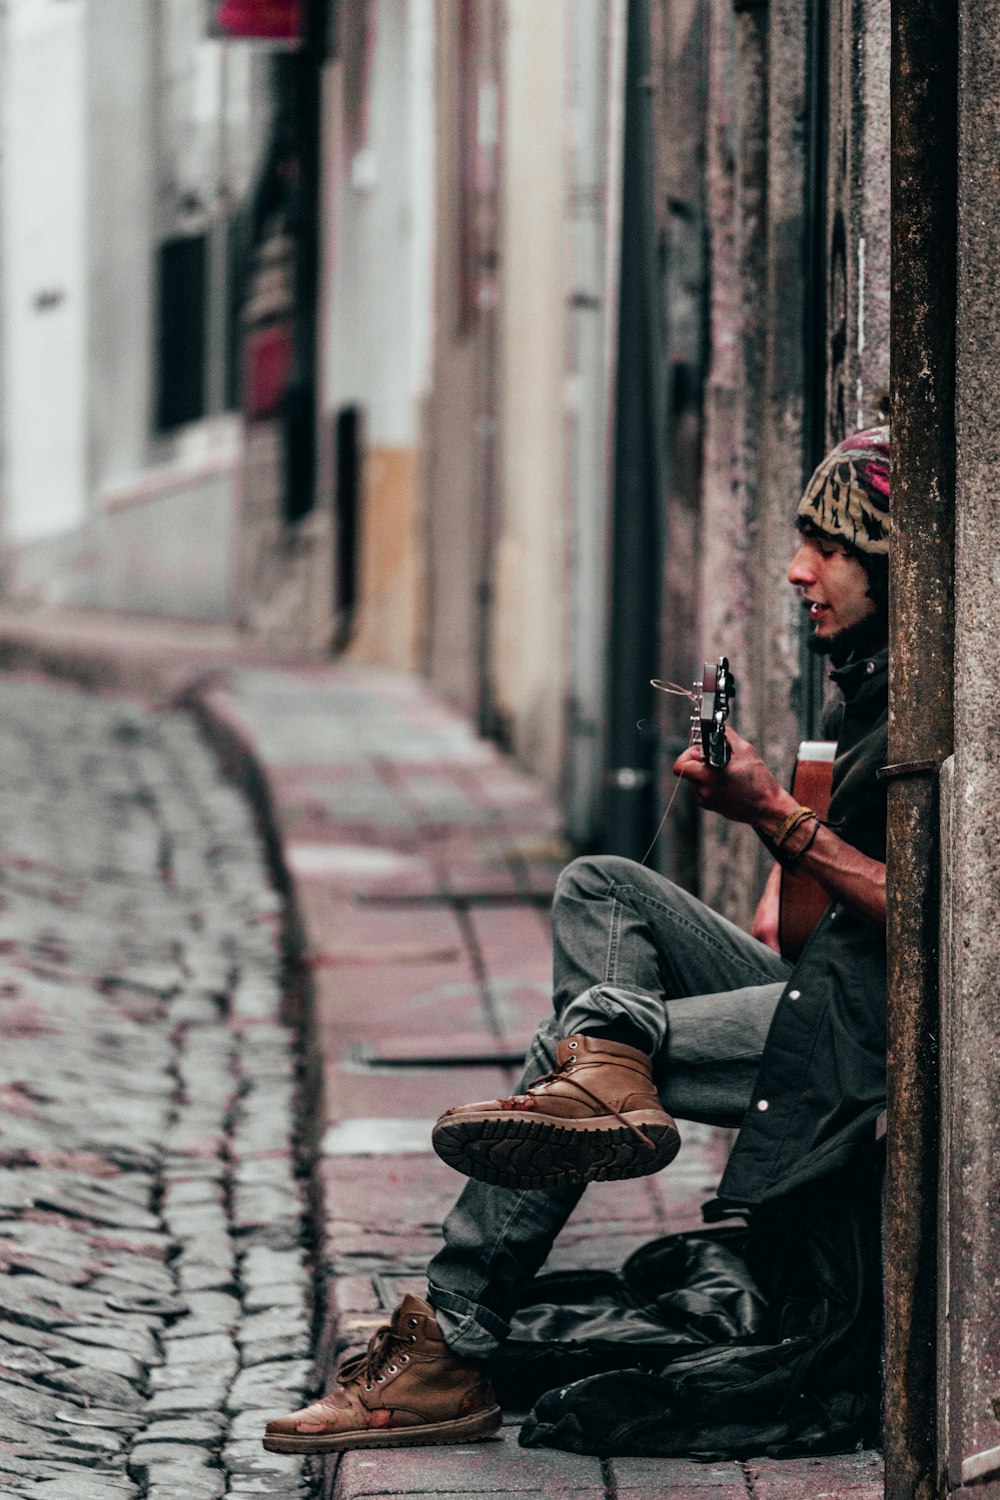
x=713 y=695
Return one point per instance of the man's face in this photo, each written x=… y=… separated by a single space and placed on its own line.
x=833 y=585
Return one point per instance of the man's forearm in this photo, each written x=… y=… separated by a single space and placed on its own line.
x=746 y=792
x=844 y=871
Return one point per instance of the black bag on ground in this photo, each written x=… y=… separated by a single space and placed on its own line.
x=710 y=1347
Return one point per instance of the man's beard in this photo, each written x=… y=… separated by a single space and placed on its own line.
x=862 y=639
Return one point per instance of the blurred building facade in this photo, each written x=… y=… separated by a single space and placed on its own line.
x=491 y=339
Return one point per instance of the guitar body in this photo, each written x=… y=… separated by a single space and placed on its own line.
x=803 y=900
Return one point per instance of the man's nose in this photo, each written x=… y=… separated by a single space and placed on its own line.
x=799 y=569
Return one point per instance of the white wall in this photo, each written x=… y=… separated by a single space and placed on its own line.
x=379 y=232
x=121 y=202
x=531 y=571
x=44 y=173
x=377 y=299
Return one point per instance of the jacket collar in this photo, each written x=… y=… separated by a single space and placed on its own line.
x=865 y=678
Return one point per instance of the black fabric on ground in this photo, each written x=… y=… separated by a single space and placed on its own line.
x=697 y=1350
x=674 y=1296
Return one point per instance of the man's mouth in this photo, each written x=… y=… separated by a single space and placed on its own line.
x=816 y=610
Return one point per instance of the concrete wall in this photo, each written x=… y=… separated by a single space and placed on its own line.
x=161 y=542
x=529 y=640
x=777 y=285
x=595 y=83
x=122 y=124
x=857 y=249
x=972 y=984
x=45 y=314
x=378 y=299
x=122 y=202
x=455 y=434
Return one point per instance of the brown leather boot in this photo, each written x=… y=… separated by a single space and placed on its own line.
x=597 y=1118
x=407 y=1388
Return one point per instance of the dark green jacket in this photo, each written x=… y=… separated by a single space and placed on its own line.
x=821 y=1084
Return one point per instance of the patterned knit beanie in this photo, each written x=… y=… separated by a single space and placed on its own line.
x=847 y=499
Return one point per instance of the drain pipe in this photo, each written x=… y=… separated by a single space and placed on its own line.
x=639 y=475
x=921 y=707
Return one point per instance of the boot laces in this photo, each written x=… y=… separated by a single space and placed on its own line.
x=563 y=1074
x=384 y=1345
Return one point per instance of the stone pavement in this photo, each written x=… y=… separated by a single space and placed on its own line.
x=423 y=864
x=418 y=865
x=155 y=1296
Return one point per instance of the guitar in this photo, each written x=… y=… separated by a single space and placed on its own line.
x=802 y=900
x=713 y=694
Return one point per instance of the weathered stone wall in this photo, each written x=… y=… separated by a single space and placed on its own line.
x=773 y=147
x=970 y=1020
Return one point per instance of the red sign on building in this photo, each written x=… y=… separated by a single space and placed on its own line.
x=270 y=20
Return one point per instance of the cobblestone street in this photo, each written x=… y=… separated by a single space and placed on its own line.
x=160 y=1259
x=155 y=1300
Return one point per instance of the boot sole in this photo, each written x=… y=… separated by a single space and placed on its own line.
x=543 y=1153
x=481 y=1424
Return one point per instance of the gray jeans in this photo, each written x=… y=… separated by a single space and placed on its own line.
x=624 y=940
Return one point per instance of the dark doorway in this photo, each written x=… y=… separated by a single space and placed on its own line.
x=348 y=461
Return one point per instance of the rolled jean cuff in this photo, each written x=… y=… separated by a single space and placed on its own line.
x=469 y=1329
x=607 y=1002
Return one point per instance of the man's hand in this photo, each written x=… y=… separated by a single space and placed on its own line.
x=765 y=922
x=743 y=791
x=746 y=792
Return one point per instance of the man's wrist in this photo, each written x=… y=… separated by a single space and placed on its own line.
x=768 y=820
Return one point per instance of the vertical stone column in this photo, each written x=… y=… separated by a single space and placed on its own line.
x=920 y=709
x=680 y=39
x=857 y=217
x=784 y=446
x=971 y=1309
x=727 y=848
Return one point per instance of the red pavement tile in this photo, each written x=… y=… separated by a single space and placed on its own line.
x=511 y=944
x=413 y=1190
x=356 y=1001
x=419 y=880
x=542 y=874
x=517 y=1008
x=678 y=1478
x=359 y=1247
x=507 y=793
x=340 y=927
x=469 y=1048
x=408 y=1093
x=357 y=864
x=851 y=1476
x=476 y=872
x=495 y=1468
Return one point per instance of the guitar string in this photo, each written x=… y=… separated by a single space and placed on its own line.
x=676 y=691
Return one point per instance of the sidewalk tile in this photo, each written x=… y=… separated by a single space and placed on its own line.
x=678 y=1478
x=849 y=1476
x=357 y=1001
x=495 y=1467
x=408 y=1093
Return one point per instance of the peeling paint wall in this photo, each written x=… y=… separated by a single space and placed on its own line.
x=969 y=1258
x=530 y=580
x=454 y=425
x=377 y=321
x=773 y=153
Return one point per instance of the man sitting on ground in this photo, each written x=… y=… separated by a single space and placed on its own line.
x=664 y=1009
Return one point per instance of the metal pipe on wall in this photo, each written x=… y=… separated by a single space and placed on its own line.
x=639 y=475
x=921 y=706
x=597 y=39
